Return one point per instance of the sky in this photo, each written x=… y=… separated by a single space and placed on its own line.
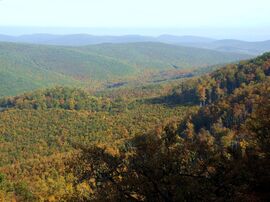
x=213 y=18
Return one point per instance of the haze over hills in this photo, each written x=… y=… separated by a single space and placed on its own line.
x=231 y=45
x=86 y=39
x=228 y=45
x=26 y=66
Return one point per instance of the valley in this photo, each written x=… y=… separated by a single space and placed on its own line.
x=67 y=143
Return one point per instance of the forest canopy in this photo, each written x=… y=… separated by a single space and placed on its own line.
x=197 y=139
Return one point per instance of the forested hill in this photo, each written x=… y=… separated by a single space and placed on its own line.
x=212 y=87
x=61 y=98
x=25 y=67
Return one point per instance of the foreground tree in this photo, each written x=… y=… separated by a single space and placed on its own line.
x=153 y=167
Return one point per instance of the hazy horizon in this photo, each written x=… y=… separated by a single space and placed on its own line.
x=244 y=20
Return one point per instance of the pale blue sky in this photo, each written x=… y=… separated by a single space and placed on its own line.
x=212 y=15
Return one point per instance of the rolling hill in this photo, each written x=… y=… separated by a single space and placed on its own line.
x=25 y=67
x=161 y=56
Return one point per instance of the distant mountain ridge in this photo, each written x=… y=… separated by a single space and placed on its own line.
x=86 y=39
x=227 y=45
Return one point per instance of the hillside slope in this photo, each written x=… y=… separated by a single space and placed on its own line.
x=163 y=56
x=26 y=67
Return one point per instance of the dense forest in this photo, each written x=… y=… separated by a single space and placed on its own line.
x=195 y=139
